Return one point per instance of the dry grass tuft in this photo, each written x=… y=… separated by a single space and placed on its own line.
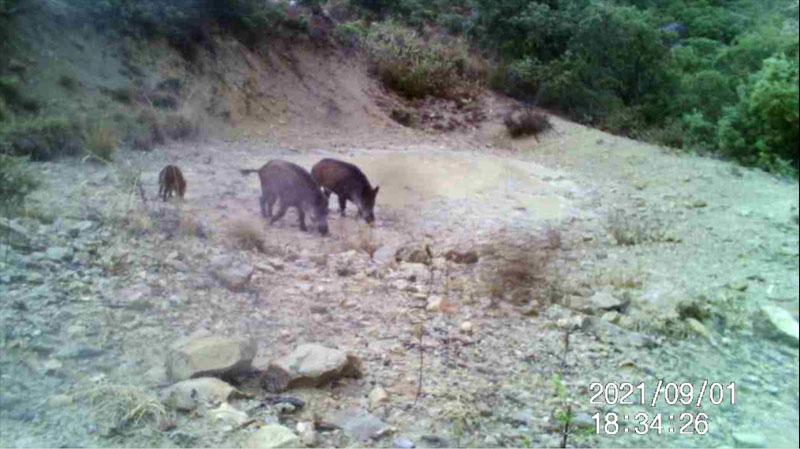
x=526 y=122
x=246 y=235
x=123 y=406
x=101 y=142
x=630 y=230
x=522 y=271
x=357 y=236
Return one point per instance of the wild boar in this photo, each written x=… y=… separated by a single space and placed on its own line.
x=171 y=180
x=294 y=187
x=349 y=183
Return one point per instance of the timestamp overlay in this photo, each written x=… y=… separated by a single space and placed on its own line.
x=660 y=407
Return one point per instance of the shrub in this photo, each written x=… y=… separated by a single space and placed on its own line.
x=526 y=122
x=350 y=34
x=101 y=142
x=700 y=133
x=707 y=91
x=414 y=68
x=184 y=22
x=16 y=182
x=747 y=54
x=762 y=129
x=245 y=234
x=10 y=91
x=179 y=126
x=41 y=138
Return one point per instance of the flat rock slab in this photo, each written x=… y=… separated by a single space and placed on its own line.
x=310 y=365
x=360 y=424
x=210 y=356
x=782 y=323
x=604 y=301
x=186 y=395
x=272 y=436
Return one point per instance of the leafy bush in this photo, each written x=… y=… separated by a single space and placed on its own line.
x=101 y=142
x=700 y=133
x=350 y=34
x=408 y=64
x=184 y=22
x=41 y=138
x=16 y=181
x=524 y=28
x=762 y=129
x=746 y=55
x=707 y=91
x=11 y=93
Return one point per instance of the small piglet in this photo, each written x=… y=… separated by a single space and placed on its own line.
x=349 y=183
x=294 y=187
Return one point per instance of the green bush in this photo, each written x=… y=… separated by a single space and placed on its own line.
x=101 y=141
x=762 y=129
x=415 y=68
x=707 y=91
x=41 y=138
x=519 y=29
x=695 y=54
x=350 y=34
x=746 y=55
x=615 y=61
x=16 y=181
x=700 y=133
x=184 y=22
x=11 y=93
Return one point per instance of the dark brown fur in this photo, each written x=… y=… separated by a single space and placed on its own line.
x=171 y=180
x=349 y=183
x=294 y=187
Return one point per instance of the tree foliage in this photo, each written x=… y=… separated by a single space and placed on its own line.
x=762 y=128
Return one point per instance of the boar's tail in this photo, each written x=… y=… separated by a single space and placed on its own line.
x=247 y=171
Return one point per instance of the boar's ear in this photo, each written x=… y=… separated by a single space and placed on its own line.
x=375 y=192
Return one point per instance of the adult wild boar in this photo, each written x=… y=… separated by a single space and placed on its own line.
x=294 y=187
x=170 y=179
x=349 y=183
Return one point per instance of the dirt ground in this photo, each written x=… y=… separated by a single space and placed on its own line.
x=730 y=241
x=693 y=247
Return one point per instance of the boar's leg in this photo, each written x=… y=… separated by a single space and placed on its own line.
x=269 y=200
x=302 y=217
x=265 y=199
x=280 y=214
x=326 y=192
x=342 y=204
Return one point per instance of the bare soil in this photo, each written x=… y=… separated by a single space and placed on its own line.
x=711 y=235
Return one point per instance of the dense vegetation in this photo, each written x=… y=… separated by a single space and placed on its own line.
x=726 y=83
x=723 y=81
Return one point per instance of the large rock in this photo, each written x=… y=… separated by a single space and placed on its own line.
x=781 y=323
x=750 y=439
x=604 y=301
x=272 y=436
x=360 y=424
x=235 y=278
x=615 y=335
x=466 y=257
x=15 y=235
x=210 y=356
x=413 y=254
x=310 y=365
x=58 y=253
x=188 y=394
